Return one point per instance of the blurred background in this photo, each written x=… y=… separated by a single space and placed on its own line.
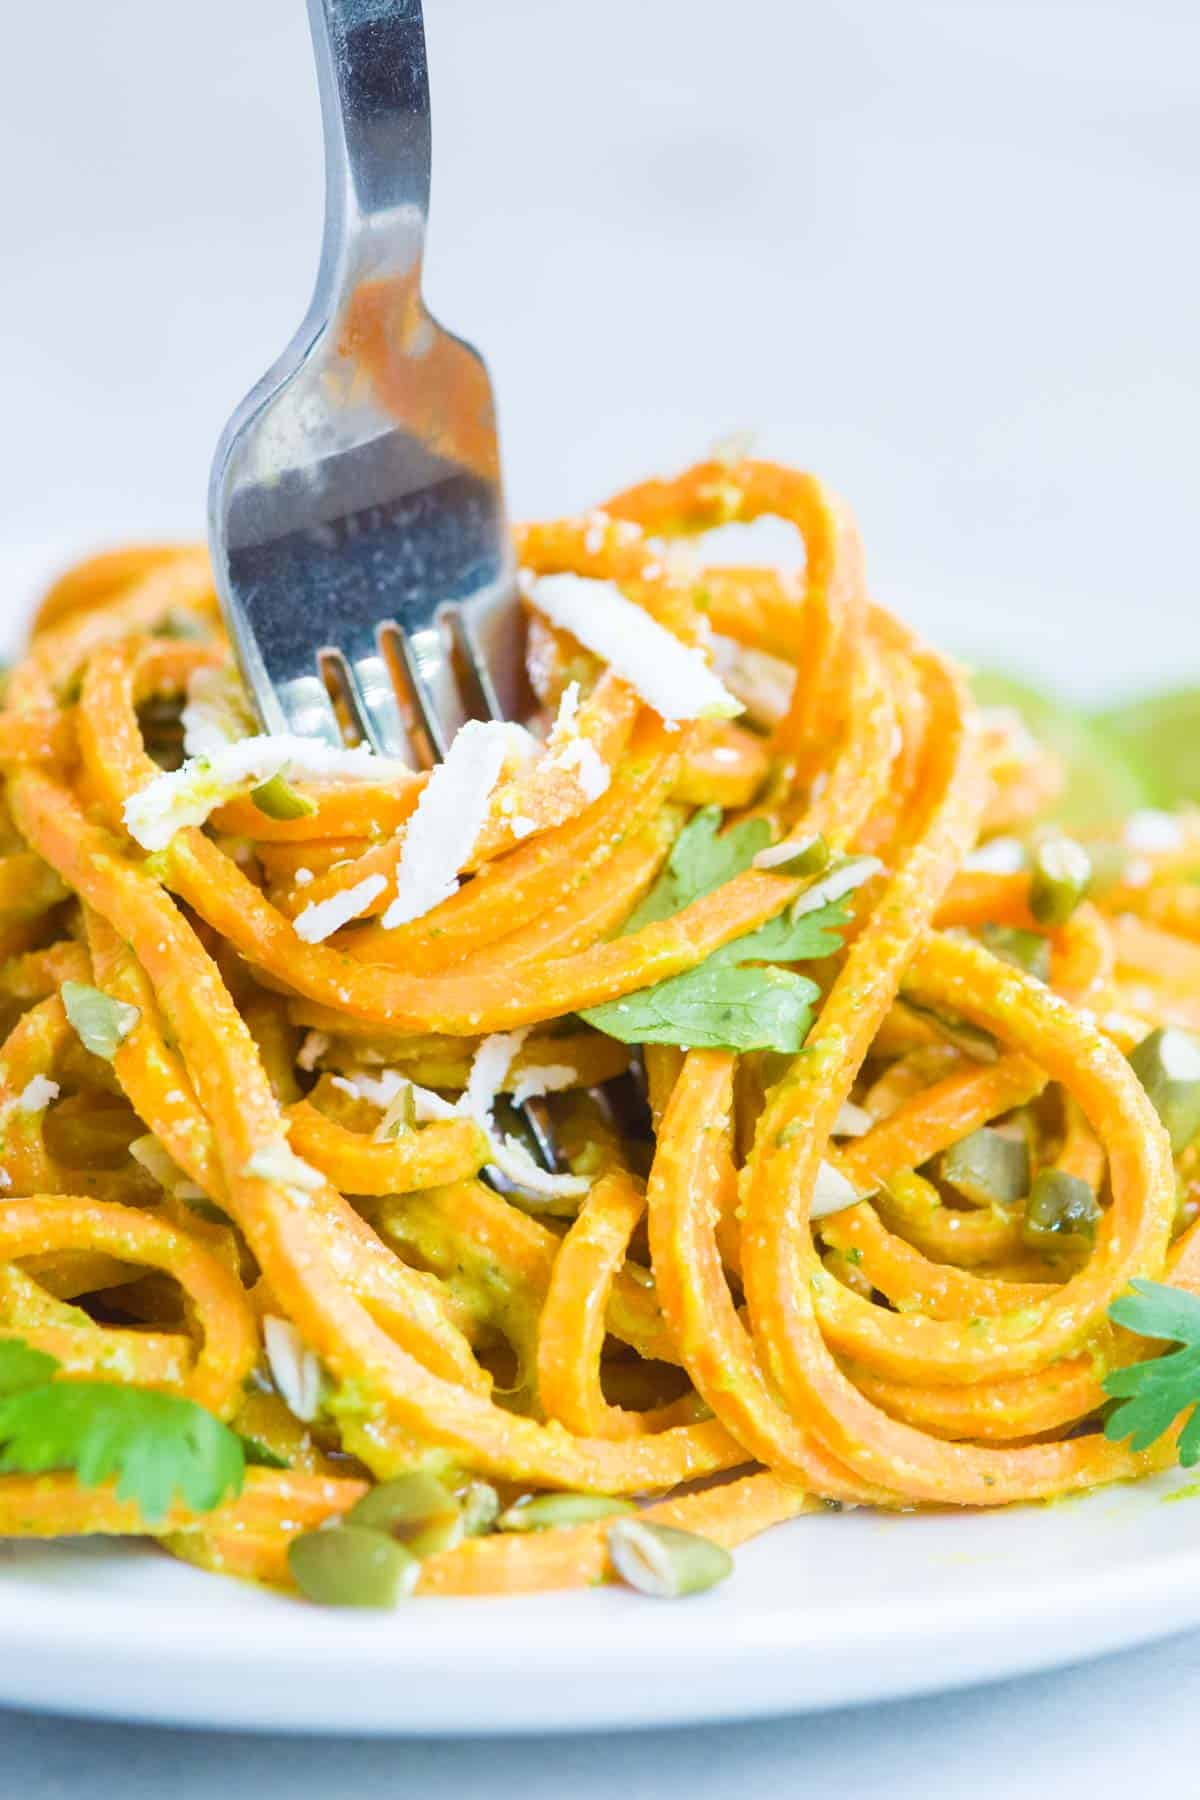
x=942 y=251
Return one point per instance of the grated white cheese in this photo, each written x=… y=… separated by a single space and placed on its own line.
x=567 y=749
x=589 y=767
x=315 y=1044
x=324 y=917
x=161 y=1166
x=295 y=1371
x=187 y=796
x=597 y=531
x=670 y=676
x=837 y=884
x=303 y=878
x=523 y=828
x=449 y=817
x=493 y=1060
x=218 y=711
x=550 y=1078
x=566 y=723
x=37 y=1095
x=377 y=1090
x=278 y=1162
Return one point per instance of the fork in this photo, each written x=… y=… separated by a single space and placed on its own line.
x=356 y=517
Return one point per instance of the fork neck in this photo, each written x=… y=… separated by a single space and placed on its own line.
x=374 y=86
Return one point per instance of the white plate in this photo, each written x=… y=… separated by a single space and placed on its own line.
x=825 y=1612
x=831 y=1610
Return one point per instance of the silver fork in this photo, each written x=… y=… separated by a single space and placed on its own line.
x=356 y=517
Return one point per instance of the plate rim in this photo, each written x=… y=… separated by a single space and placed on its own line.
x=156 y=1661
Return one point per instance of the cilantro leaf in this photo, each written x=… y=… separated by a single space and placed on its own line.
x=156 y=1445
x=735 y=999
x=701 y=860
x=1155 y=1394
x=21 y=1366
x=715 y=1008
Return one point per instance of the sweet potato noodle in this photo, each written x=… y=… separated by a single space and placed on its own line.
x=678 y=1313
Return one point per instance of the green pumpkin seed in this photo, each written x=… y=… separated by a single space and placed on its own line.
x=549 y=1512
x=344 y=1565
x=278 y=799
x=798 y=856
x=1062 y=874
x=664 y=1562
x=414 y=1510
x=480 y=1506
x=1061 y=1210
x=1025 y=950
x=1167 y=1063
x=987 y=1168
x=101 y=1023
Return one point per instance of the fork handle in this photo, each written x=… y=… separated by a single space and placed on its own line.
x=374 y=86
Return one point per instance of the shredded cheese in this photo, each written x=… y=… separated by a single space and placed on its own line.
x=837 y=884
x=188 y=796
x=279 y=1162
x=550 y=1078
x=449 y=817
x=37 y=1095
x=589 y=767
x=324 y=917
x=218 y=711
x=670 y=676
x=161 y=1166
x=490 y=1068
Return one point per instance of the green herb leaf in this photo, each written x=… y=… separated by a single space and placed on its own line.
x=156 y=1445
x=700 y=861
x=101 y=1023
x=734 y=999
x=1155 y=1394
x=21 y=1366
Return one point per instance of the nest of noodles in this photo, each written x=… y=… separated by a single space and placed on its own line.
x=680 y=1315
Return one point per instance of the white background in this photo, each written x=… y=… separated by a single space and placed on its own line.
x=943 y=253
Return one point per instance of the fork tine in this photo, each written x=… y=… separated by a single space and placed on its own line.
x=371 y=693
x=536 y=1115
x=426 y=666
x=300 y=706
x=493 y=650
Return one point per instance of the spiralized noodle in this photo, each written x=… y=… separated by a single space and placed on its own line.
x=686 y=1318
